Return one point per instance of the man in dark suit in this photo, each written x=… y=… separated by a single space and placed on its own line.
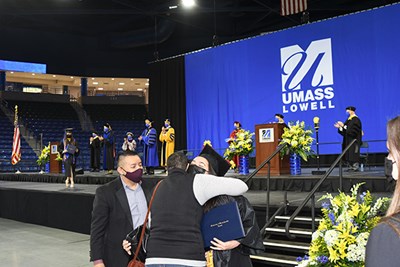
x=119 y=207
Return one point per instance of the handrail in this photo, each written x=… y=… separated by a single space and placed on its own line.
x=266 y=161
x=312 y=192
x=278 y=149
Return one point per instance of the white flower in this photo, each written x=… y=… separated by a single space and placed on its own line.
x=317 y=234
x=331 y=236
x=362 y=239
x=356 y=253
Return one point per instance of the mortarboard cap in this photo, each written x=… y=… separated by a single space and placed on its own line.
x=351 y=108
x=107 y=125
x=129 y=133
x=69 y=130
x=279 y=115
x=217 y=162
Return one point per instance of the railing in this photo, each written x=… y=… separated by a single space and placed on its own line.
x=266 y=161
x=311 y=195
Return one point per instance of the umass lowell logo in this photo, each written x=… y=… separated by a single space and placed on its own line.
x=307 y=77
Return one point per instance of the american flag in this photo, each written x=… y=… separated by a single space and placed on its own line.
x=16 y=149
x=290 y=7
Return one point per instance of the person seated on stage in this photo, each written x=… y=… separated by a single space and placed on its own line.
x=384 y=241
x=234 y=252
x=279 y=118
x=94 y=145
x=129 y=142
x=69 y=151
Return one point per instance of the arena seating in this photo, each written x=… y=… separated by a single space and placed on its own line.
x=50 y=120
x=28 y=158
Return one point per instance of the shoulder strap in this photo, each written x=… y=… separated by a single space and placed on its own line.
x=145 y=221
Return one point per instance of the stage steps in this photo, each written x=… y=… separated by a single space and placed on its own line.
x=279 y=249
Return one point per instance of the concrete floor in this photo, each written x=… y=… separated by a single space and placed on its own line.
x=23 y=244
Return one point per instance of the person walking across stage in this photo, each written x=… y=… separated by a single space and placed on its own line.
x=94 y=145
x=350 y=130
x=118 y=208
x=70 y=151
x=149 y=140
x=177 y=211
x=384 y=241
x=107 y=141
x=167 y=139
x=129 y=142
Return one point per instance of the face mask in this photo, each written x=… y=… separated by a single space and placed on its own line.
x=147 y=125
x=135 y=176
x=347 y=113
x=69 y=135
x=276 y=119
x=94 y=135
x=166 y=125
x=105 y=129
x=194 y=169
x=130 y=138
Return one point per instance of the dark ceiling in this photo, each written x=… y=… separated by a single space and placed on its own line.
x=119 y=37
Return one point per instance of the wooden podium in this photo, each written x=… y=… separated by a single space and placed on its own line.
x=267 y=141
x=55 y=166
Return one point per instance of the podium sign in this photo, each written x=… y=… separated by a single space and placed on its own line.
x=266 y=135
x=267 y=141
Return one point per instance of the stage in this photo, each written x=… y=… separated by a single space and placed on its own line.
x=43 y=198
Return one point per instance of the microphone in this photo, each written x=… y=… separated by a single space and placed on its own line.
x=316 y=123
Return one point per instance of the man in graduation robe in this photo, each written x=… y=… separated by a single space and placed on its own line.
x=351 y=129
x=108 y=143
x=149 y=140
x=94 y=145
x=167 y=139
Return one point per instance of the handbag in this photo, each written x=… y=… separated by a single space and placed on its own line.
x=140 y=252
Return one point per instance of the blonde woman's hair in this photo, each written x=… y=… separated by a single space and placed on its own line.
x=393 y=140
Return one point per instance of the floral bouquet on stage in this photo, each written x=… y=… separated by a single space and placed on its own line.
x=343 y=233
x=242 y=145
x=44 y=156
x=299 y=140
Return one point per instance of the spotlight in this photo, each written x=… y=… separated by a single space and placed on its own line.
x=188 y=3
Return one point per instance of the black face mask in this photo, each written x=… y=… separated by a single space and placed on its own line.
x=194 y=169
x=388 y=168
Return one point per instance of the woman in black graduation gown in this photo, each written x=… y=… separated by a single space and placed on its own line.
x=383 y=245
x=70 y=151
x=94 y=146
x=234 y=253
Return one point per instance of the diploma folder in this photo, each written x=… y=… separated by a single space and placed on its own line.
x=222 y=222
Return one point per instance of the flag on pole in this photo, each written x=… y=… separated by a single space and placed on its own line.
x=290 y=7
x=16 y=149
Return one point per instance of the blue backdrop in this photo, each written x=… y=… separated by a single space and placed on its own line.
x=312 y=70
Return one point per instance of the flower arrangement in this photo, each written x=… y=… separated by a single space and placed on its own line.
x=242 y=145
x=299 y=140
x=44 y=156
x=343 y=233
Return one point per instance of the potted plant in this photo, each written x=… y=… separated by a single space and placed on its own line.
x=298 y=140
x=241 y=146
x=44 y=158
x=343 y=233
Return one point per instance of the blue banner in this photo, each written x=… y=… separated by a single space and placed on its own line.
x=313 y=70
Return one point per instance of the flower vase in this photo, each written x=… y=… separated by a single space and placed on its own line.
x=243 y=164
x=295 y=164
x=47 y=167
